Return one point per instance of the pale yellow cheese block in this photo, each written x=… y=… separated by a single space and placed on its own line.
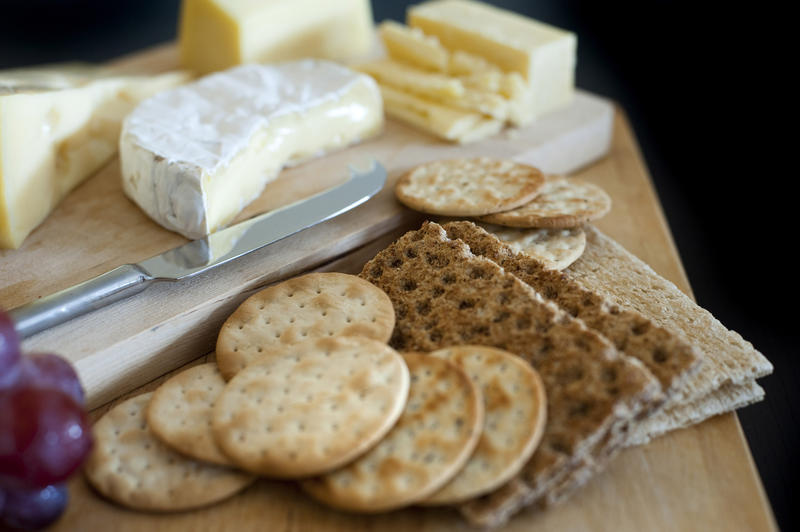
x=218 y=34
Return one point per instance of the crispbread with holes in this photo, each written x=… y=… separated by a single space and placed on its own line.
x=609 y=269
x=179 y=413
x=433 y=439
x=468 y=187
x=445 y=295
x=312 y=407
x=132 y=467
x=554 y=248
x=668 y=356
x=515 y=407
x=315 y=305
x=561 y=202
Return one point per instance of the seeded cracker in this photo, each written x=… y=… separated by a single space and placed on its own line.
x=516 y=409
x=431 y=442
x=554 y=248
x=312 y=407
x=315 y=305
x=179 y=413
x=561 y=202
x=444 y=295
x=130 y=466
x=468 y=187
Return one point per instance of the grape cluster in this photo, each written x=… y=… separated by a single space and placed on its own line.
x=44 y=432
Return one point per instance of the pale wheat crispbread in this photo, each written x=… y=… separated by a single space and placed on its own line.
x=444 y=295
x=179 y=414
x=610 y=270
x=132 y=467
x=554 y=248
x=468 y=187
x=668 y=356
x=315 y=305
x=433 y=439
x=516 y=409
x=561 y=202
x=727 y=398
x=312 y=407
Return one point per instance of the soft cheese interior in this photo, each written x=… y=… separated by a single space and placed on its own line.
x=194 y=157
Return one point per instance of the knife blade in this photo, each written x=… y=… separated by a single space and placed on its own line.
x=200 y=255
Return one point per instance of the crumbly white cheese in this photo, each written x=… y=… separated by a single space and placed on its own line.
x=194 y=157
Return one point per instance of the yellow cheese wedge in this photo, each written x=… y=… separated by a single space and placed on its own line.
x=442 y=121
x=56 y=129
x=218 y=34
x=412 y=46
x=543 y=55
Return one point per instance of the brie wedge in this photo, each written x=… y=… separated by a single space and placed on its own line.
x=194 y=157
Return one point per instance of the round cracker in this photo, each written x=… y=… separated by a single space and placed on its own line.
x=431 y=442
x=312 y=408
x=468 y=187
x=555 y=248
x=516 y=409
x=311 y=306
x=132 y=467
x=561 y=203
x=179 y=413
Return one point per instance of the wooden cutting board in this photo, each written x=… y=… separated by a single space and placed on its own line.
x=96 y=228
x=701 y=478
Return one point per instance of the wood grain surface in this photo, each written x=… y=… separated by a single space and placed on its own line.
x=701 y=478
x=96 y=228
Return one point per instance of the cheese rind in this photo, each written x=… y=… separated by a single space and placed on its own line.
x=194 y=157
x=219 y=34
x=56 y=129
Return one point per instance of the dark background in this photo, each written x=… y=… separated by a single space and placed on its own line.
x=707 y=89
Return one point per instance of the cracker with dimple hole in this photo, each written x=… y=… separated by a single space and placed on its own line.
x=515 y=406
x=315 y=305
x=132 y=467
x=433 y=439
x=179 y=413
x=312 y=407
x=444 y=295
x=561 y=202
x=554 y=248
x=468 y=187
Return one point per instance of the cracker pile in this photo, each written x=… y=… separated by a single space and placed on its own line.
x=312 y=395
x=543 y=219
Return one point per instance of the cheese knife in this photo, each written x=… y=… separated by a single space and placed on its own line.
x=199 y=256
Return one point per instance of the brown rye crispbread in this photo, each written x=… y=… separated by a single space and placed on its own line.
x=445 y=295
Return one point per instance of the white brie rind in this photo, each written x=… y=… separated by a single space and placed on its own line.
x=192 y=158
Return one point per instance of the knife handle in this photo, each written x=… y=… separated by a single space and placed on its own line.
x=80 y=299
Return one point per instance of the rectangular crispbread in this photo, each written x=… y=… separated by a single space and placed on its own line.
x=610 y=270
x=668 y=356
x=445 y=295
x=726 y=399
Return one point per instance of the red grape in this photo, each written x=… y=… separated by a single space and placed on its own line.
x=44 y=437
x=44 y=370
x=9 y=351
x=32 y=509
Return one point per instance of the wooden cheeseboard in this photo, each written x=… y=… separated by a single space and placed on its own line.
x=701 y=478
x=97 y=228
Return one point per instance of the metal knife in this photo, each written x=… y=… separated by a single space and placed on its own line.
x=200 y=255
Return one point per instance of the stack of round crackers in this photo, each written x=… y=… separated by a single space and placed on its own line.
x=305 y=387
x=538 y=215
